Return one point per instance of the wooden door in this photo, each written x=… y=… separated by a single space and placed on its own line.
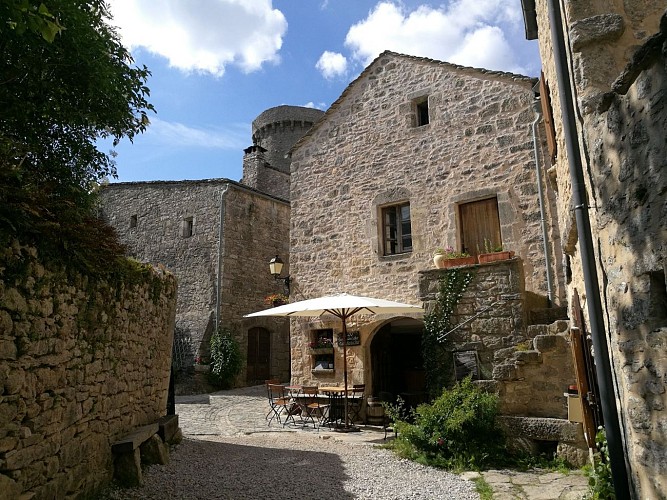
x=259 y=355
x=480 y=223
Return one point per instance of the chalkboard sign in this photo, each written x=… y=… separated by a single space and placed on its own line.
x=353 y=338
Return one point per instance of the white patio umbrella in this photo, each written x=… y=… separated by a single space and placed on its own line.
x=342 y=306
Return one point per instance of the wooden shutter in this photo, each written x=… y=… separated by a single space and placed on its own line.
x=547 y=113
x=479 y=222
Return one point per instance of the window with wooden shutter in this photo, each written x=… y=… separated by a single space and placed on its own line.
x=547 y=113
x=480 y=226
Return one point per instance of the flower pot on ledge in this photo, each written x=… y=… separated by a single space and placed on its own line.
x=446 y=263
x=485 y=258
x=321 y=350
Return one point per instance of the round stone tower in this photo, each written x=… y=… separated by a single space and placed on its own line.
x=266 y=166
x=278 y=129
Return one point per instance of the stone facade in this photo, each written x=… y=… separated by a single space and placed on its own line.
x=617 y=52
x=217 y=237
x=82 y=363
x=370 y=151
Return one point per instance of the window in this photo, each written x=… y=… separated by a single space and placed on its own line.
x=480 y=226
x=396 y=229
x=133 y=221
x=186 y=227
x=421 y=107
x=322 y=352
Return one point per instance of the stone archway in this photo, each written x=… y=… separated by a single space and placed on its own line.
x=396 y=362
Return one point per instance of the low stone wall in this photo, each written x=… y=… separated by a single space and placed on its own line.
x=82 y=363
x=502 y=325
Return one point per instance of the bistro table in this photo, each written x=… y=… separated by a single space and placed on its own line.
x=336 y=404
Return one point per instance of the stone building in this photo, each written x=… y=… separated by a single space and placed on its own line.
x=217 y=237
x=418 y=154
x=615 y=136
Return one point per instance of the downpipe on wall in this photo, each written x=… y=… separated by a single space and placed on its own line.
x=540 y=196
x=588 y=264
x=221 y=238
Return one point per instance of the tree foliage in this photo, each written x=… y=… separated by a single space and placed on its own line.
x=57 y=98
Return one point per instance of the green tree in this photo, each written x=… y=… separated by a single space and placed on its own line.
x=57 y=98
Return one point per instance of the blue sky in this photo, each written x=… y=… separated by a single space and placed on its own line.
x=217 y=64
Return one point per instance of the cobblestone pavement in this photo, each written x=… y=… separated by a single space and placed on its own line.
x=242 y=411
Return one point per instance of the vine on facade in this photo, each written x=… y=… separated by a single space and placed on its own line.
x=437 y=323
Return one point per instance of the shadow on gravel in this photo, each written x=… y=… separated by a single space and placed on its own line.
x=211 y=470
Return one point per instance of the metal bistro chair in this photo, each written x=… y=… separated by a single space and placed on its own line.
x=355 y=402
x=311 y=408
x=273 y=381
x=279 y=402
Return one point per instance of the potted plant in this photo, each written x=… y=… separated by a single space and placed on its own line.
x=276 y=299
x=444 y=258
x=202 y=364
x=494 y=253
x=322 y=345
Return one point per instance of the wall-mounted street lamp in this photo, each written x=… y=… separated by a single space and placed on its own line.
x=276 y=266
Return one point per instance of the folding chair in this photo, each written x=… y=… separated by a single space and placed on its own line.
x=279 y=403
x=355 y=402
x=311 y=408
x=273 y=381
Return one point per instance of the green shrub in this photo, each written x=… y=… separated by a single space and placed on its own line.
x=600 y=483
x=458 y=430
x=226 y=359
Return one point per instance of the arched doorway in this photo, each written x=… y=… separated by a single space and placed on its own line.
x=397 y=365
x=258 y=355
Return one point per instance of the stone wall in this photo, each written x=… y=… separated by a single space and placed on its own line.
x=256 y=229
x=620 y=82
x=497 y=286
x=235 y=232
x=82 y=363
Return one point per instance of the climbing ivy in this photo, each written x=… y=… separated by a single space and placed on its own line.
x=437 y=363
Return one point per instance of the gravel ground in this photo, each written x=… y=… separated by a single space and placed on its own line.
x=289 y=465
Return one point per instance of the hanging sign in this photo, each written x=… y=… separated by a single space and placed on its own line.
x=353 y=338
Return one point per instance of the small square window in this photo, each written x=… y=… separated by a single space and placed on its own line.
x=396 y=229
x=133 y=221
x=186 y=227
x=421 y=109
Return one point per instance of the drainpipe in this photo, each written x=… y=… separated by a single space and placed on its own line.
x=221 y=239
x=540 y=196
x=593 y=300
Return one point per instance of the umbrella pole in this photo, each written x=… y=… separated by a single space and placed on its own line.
x=347 y=425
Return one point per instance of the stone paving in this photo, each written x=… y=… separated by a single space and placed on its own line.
x=242 y=411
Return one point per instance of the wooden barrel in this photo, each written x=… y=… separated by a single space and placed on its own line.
x=374 y=411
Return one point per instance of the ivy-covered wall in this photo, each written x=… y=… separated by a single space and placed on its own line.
x=83 y=361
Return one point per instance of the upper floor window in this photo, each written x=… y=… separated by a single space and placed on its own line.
x=396 y=229
x=186 y=227
x=421 y=108
x=133 y=221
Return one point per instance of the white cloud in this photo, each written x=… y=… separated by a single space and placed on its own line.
x=332 y=64
x=178 y=135
x=203 y=36
x=320 y=105
x=466 y=32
